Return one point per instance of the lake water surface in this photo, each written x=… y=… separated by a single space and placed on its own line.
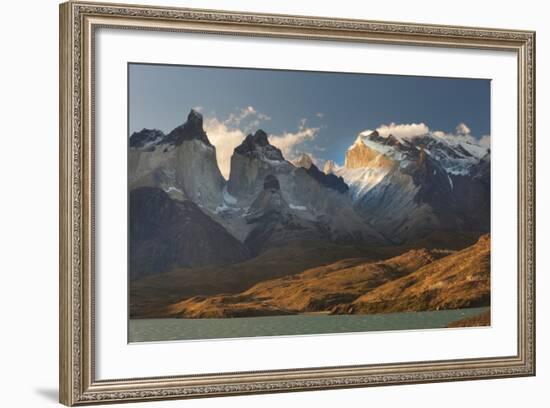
x=194 y=329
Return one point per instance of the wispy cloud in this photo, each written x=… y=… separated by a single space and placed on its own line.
x=462 y=133
x=405 y=130
x=249 y=113
x=485 y=141
x=290 y=142
x=320 y=115
x=463 y=129
x=228 y=133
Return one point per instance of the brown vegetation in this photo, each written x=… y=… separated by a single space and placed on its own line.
x=309 y=277
x=459 y=280
x=150 y=296
x=315 y=290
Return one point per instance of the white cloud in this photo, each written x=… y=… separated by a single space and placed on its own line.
x=459 y=136
x=316 y=160
x=463 y=129
x=485 y=141
x=403 y=131
x=198 y=108
x=289 y=143
x=250 y=112
x=462 y=133
x=225 y=139
x=229 y=133
x=320 y=115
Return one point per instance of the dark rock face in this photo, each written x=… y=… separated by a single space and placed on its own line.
x=274 y=222
x=190 y=130
x=256 y=145
x=269 y=203
x=328 y=180
x=145 y=137
x=252 y=161
x=432 y=180
x=391 y=140
x=167 y=234
x=460 y=201
x=473 y=196
x=271 y=183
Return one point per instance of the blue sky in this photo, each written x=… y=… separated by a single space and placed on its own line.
x=316 y=112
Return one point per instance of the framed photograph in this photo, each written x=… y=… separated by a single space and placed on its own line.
x=256 y=203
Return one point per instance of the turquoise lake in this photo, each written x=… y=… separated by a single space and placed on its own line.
x=141 y=330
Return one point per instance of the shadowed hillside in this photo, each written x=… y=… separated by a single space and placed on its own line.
x=317 y=276
x=417 y=280
x=151 y=295
x=315 y=290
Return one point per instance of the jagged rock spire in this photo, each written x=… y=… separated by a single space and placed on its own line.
x=191 y=130
x=257 y=145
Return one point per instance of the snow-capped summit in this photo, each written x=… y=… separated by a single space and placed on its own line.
x=455 y=156
x=419 y=183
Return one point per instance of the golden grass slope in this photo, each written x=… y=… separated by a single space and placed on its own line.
x=304 y=277
x=459 y=280
x=318 y=289
x=150 y=296
x=418 y=280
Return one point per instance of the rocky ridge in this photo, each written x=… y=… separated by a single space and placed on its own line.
x=417 y=185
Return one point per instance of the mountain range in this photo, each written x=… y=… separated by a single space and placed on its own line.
x=267 y=200
x=417 y=185
x=390 y=194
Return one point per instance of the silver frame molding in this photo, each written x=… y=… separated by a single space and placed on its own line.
x=78 y=22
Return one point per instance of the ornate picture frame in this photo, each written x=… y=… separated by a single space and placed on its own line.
x=79 y=22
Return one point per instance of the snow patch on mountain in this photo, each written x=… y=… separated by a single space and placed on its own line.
x=386 y=150
x=361 y=180
x=456 y=155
